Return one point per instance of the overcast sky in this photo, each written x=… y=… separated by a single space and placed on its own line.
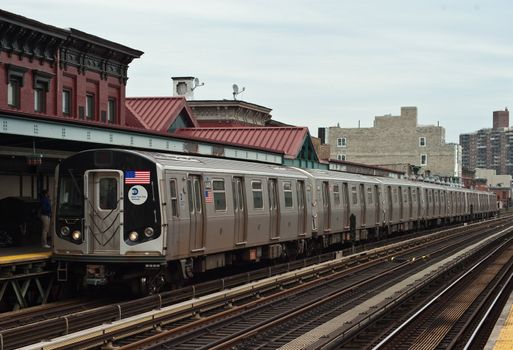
x=315 y=63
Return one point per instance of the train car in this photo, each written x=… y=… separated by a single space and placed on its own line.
x=152 y=218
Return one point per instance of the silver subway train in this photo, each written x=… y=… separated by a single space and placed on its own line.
x=155 y=217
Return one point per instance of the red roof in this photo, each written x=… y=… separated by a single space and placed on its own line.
x=156 y=113
x=286 y=140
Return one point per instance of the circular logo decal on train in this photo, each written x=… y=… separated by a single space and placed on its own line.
x=137 y=195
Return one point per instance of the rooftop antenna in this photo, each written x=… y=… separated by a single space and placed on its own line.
x=196 y=84
x=236 y=91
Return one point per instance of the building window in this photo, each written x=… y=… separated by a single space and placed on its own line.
x=341 y=142
x=15 y=76
x=13 y=92
x=89 y=112
x=66 y=102
x=422 y=141
x=41 y=86
x=39 y=97
x=341 y=157
x=111 y=110
x=423 y=159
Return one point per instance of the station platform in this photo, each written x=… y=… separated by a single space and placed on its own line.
x=26 y=276
x=17 y=255
x=501 y=337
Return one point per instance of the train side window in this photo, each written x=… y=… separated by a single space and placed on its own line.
x=354 y=195
x=174 y=198
x=369 y=195
x=108 y=193
x=219 y=195
x=256 y=188
x=336 y=195
x=287 y=191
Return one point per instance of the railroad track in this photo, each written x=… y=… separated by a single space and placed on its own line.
x=40 y=313
x=458 y=317
x=269 y=323
x=238 y=302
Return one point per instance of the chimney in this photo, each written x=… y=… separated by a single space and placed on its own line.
x=183 y=86
x=501 y=119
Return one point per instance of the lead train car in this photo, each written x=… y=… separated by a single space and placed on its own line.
x=150 y=217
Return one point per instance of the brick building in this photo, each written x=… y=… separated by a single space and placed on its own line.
x=490 y=148
x=396 y=140
x=49 y=71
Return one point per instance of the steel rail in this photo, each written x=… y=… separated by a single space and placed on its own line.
x=437 y=297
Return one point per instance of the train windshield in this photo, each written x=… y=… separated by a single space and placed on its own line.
x=70 y=201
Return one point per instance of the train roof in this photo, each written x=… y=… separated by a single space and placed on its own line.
x=181 y=162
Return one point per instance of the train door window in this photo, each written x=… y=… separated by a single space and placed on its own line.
x=219 y=194
x=396 y=195
x=189 y=196
x=108 y=189
x=287 y=191
x=399 y=193
x=302 y=214
x=378 y=203
x=336 y=195
x=389 y=200
x=369 y=195
x=326 y=205
x=174 y=197
x=256 y=188
x=197 y=192
x=354 y=195
x=345 y=196
x=240 y=193
x=418 y=201
x=405 y=195
x=363 y=206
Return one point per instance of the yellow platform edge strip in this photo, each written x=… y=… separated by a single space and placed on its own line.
x=24 y=257
x=505 y=339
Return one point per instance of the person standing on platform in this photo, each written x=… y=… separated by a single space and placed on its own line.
x=46 y=214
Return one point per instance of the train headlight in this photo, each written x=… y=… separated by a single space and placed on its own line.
x=76 y=235
x=133 y=236
x=149 y=232
x=65 y=231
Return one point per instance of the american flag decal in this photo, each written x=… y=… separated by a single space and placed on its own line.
x=209 y=197
x=137 y=177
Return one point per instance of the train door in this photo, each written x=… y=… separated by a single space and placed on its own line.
x=363 y=206
x=301 y=207
x=326 y=205
x=390 y=204
x=196 y=227
x=239 y=209
x=274 y=229
x=103 y=211
x=377 y=206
